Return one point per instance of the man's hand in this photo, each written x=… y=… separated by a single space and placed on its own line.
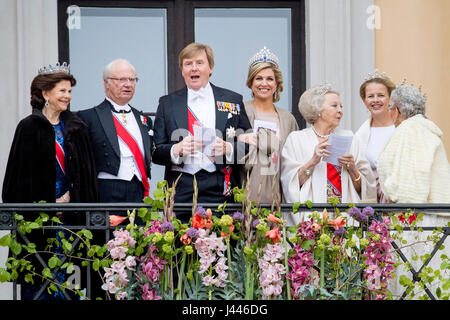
x=221 y=147
x=187 y=146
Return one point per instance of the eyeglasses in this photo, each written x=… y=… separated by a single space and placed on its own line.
x=125 y=80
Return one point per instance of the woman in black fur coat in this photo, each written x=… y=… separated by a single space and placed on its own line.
x=51 y=157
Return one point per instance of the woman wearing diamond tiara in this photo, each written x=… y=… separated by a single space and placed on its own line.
x=413 y=168
x=50 y=160
x=413 y=165
x=271 y=126
x=375 y=92
x=304 y=174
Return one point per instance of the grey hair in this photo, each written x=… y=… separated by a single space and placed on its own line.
x=108 y=68
x=311 y=101
x=409 y=100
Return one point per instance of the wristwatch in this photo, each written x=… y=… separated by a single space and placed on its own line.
x=308 y=172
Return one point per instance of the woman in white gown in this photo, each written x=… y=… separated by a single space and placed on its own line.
x=305 y=176
x=375 y=92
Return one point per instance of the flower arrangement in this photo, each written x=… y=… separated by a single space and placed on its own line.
x=249 y=254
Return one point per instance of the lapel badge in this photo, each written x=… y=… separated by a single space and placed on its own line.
x=144 y=120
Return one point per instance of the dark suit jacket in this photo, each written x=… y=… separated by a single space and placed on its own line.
x=172 y=115
x=105 y=141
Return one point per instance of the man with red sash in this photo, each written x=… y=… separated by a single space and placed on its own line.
x=185 y=142
x=122 y=138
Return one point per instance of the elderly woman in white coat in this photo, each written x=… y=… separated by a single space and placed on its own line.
x=304 y=175
x=414 y=168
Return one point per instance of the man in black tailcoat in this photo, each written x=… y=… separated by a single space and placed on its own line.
x=196 y=131
x=122 y=138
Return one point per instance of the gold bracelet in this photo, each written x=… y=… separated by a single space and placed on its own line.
x=357 y=179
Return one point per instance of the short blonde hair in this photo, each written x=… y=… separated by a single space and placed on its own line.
x=255 y=69
x=390 y=86
x=311 y=101
x=192 y=49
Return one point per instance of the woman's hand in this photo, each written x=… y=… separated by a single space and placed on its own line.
x=348 y=162
x=65 y=198
x=320 y=151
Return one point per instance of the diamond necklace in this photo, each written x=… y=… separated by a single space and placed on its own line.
x=320 y=135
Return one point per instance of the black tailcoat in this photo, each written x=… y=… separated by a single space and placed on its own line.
x=106 y=142
x=172 y=115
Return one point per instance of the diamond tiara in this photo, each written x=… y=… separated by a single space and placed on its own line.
x=376 y=75
x=411 y=94
x=263 y=55
x=322 y=89
x=65 y=68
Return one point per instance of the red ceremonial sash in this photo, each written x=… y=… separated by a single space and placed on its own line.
x=192 y=120
x=226 y=182
x=128 y=139
x=60 y=156
x=334 y=179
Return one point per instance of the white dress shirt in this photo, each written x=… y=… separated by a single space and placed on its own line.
x=128 y=168
x=202 y=104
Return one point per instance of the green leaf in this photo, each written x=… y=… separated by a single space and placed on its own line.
x=307 y=244
x=5 y=276
x=53 y=262
x=309 y=204
x=5 y=240
x=96 y=264
x=15 y=247
x=159 y=194
x=46 y=273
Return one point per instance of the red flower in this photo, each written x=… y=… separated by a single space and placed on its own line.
x=198 y=222
x=273 y=234
x=411 y=218
x=185 y=239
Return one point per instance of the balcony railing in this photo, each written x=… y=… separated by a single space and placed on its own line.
x=97 y=219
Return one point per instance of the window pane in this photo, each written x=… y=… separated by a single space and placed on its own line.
x=237 y=34
x=137 y=35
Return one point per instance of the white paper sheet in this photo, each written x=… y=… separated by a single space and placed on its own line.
x=208 y=137
x=340 y=145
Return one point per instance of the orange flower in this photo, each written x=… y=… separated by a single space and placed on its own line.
x=209 y=213
x=273 y=234
x=198 y=222
x=230 y=230
x=185 y=239
x=337 y=223
x=274 y=219
x=116 y=220
x=208 y=223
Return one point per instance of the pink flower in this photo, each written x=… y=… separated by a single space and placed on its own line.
x=148 y=294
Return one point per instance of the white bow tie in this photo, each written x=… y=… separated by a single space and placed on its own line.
x=201 y=93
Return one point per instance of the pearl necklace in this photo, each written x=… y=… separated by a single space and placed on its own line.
x=325 y=136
